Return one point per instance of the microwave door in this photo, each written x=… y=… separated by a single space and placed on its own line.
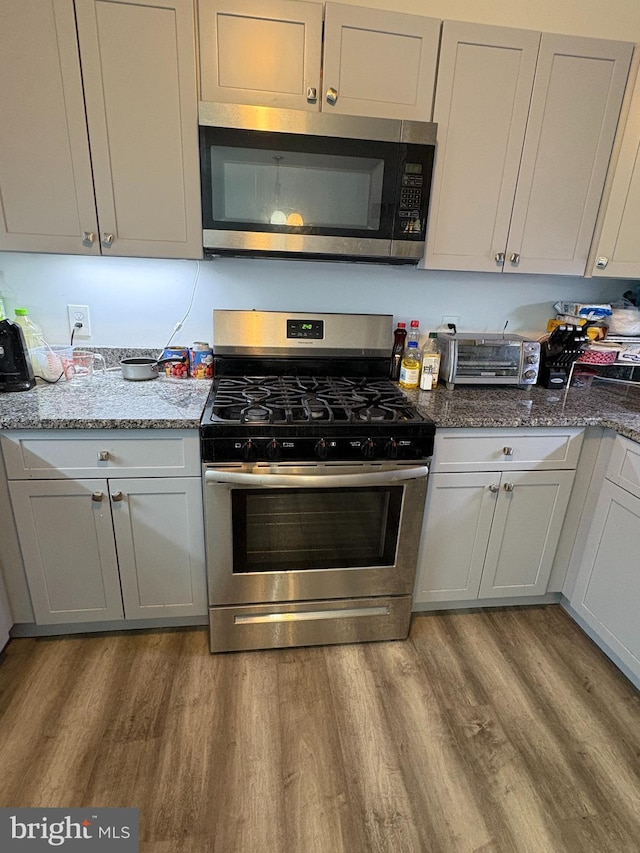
x=294 y=193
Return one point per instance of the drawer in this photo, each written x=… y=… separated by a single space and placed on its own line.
x=624 y=465
x=529 y=448
x=56 y=454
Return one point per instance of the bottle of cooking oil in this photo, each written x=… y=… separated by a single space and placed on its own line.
x=430 y=367
x=410 y=366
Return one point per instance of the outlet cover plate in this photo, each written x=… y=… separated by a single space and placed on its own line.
x=79 y=314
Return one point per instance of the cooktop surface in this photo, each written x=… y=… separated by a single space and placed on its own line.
x=307 y=400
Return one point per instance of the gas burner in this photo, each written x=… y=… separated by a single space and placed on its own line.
x=308 y=399
x=256 y=414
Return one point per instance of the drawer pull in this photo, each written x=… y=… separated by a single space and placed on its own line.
x=103 y=455
x=508 y=451
x=97 y=497
x=508 y=487
x=494 y=488
x=116 y=497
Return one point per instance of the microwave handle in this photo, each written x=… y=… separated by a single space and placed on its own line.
x=243 y=478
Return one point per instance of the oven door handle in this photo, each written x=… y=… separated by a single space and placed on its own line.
x=241 y=478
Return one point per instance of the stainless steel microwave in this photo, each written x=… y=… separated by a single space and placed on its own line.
x=478 y=358
x=291 y=183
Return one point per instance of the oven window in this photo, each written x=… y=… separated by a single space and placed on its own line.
x=298 y=529
x=488 y=359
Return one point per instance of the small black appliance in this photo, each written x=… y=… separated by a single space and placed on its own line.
x=563 y=347
x=16 y=373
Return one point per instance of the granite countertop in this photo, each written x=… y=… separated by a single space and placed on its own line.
x=107 y=402
x=602 y=404
x=111 y=402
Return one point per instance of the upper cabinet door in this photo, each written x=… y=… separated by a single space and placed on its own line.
x=617 y=254
x=485 y=79
x=264 y=52
x=46 y=191
x=378 y=63
x=138 y=64
x=576 y=102
x=524 y=139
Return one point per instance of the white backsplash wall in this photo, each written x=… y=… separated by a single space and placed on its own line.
x=135 y=302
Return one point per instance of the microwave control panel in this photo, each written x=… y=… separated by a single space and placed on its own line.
x=414 y=183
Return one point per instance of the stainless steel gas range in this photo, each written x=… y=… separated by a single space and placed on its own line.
x=315 y=476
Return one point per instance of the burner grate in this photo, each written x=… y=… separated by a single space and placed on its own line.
x=313 y=400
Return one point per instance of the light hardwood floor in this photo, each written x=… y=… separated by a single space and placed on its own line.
x=503 y=730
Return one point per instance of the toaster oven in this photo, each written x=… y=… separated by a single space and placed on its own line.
x=478 y=358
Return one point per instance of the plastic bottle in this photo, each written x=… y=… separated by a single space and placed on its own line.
x=32 y=333
x=410 y=366
x=3 y=310
x=414 y=332
x=430 y=363
x=399 y=338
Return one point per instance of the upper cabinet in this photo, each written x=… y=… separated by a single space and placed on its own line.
x=617 y=252
x=526 y=124
x=272 y=53
x=99 y=135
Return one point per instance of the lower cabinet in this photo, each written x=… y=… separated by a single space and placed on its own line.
x=98 y=550
x=493 y=533
x=489 y=536
x=105 y=548
x=606 y=595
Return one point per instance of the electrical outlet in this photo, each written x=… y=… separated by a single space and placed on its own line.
x=79 y=314
x=450 y=318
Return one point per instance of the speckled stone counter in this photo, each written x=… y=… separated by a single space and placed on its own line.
x=110 y=402
x=615 y=407
x=107 y=402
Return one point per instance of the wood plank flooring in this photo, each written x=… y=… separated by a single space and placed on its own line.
x=503 y=730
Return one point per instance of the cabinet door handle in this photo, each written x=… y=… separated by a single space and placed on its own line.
x=515 y=259
x=602 y=262
x=500 y=259
x=494 y=488
x=116 y=497
x=507 y=451
x=107 y=240
x=97 y=497
x=88 y=238
x=332 y=95
x=312 y=94
x=103 y=455
x=508 y=487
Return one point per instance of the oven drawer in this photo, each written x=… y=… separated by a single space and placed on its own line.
x=311 y=623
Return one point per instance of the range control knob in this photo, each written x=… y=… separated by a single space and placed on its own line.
x=322 y=449
x=273 y=449
x=391 y=449
x=368 y=448
x=249 y=450
x=531 y=359
x=529 y=374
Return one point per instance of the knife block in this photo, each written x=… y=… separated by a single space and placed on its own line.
x=557 y=355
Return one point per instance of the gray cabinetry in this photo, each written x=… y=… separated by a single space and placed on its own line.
x=606 y=595
x=357 y=61
x=526 y=122
x=99 y=128
x=100 y=543
x=495 y=508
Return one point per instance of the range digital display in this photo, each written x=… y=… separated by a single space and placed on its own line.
x=312 y=329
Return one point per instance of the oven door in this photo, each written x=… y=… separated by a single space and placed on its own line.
x=284 y=533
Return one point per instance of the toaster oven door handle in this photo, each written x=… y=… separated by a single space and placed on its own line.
x=242 y=478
